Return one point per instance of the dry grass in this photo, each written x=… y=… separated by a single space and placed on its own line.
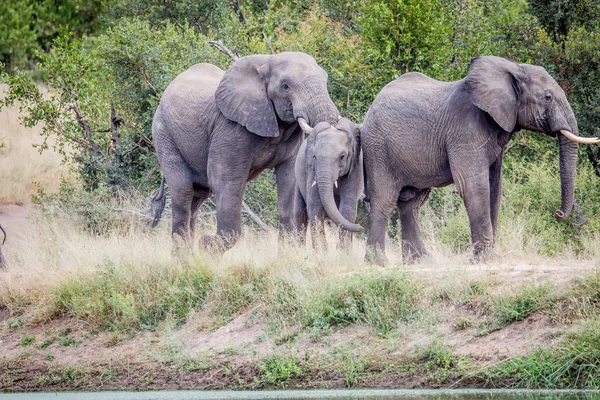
x=22 y=167
x=46 y=251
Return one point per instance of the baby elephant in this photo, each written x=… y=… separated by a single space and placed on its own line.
x=329 y=180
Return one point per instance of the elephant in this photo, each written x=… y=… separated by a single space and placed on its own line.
x=214 y=131
x=421 y=133
x=3 y=263
x=329 y=180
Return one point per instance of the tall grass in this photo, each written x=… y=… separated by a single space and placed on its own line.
x=22 y=169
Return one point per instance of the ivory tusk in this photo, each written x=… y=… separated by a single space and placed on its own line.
x=314 y=183
x=359 y=126
x=579 y=139
x=306 y=128
x=335 y=183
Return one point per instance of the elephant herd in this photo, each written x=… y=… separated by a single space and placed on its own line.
x=214 y=131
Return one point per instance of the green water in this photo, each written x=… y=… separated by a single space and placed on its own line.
x=315 y=394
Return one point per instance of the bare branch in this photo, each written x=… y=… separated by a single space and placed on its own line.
x=217 y=44
x=145 y=77
x=115 y=135
x=87 y=131
x=268 y=40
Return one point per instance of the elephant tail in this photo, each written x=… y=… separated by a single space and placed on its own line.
x=366 y=199
x=158 y=203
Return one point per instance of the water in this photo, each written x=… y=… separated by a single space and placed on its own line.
x=368 y=394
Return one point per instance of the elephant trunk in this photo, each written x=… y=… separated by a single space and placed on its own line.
x=318 y=106
x=568 y=163
x=325 y=186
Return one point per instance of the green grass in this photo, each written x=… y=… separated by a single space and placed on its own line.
x=528 y=300
x=380 y=300
x=26 y=339
x=278 y=370
x=575 y=363
x=118 y=299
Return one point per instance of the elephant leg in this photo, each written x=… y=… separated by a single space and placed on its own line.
x=228 y=200
x=412 y=242
x=495 y=193
x=200 y=195
x=317 y=231
x=286 y=193
x=3 y=263
x=181 y=204
x=300 y=218
x=349 y=212
x=475 y=191
x=383 y=200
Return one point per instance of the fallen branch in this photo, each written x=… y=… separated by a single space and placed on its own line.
x=254 y=217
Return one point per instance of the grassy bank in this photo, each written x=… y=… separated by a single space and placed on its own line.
x=118 y=311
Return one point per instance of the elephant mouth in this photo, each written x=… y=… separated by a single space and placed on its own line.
x=578 y=139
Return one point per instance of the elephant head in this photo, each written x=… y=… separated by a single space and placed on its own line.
x=524 y=96
x=261 y=90
x=332 y=155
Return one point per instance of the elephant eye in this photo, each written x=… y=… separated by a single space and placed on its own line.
x=548 y=97
x=285 y=87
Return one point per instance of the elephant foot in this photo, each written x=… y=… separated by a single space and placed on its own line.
x=376 y=256
x=484 y=254
x=413 y=254
x=217 y=244
x=181 y=248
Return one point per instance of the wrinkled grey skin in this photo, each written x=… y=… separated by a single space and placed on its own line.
x=329 y=154
x=421 y=133
x=214 y=131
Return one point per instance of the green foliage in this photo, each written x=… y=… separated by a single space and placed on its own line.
x=120 y=300
x=381 y=300
x=278 y=370
x=27 y=26
x=26 y=339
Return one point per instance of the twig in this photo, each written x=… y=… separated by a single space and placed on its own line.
x=268 y=40
x=114 y=121
x=254 y=217
x=145 y=78
x=87 y=131
x=217 y=44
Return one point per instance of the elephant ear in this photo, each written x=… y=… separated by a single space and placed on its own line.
x=242 y=96
x=493 y=86
x=355 y=147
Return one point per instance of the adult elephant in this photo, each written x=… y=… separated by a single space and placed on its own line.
x=421 y=133
x=214 y=131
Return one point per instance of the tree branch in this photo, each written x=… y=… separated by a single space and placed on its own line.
x=254 y=217
x=217 y=44
x=87 y=131
x=114 y=121
x=268 y=40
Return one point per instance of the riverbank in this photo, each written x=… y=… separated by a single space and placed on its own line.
x=118 y=312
